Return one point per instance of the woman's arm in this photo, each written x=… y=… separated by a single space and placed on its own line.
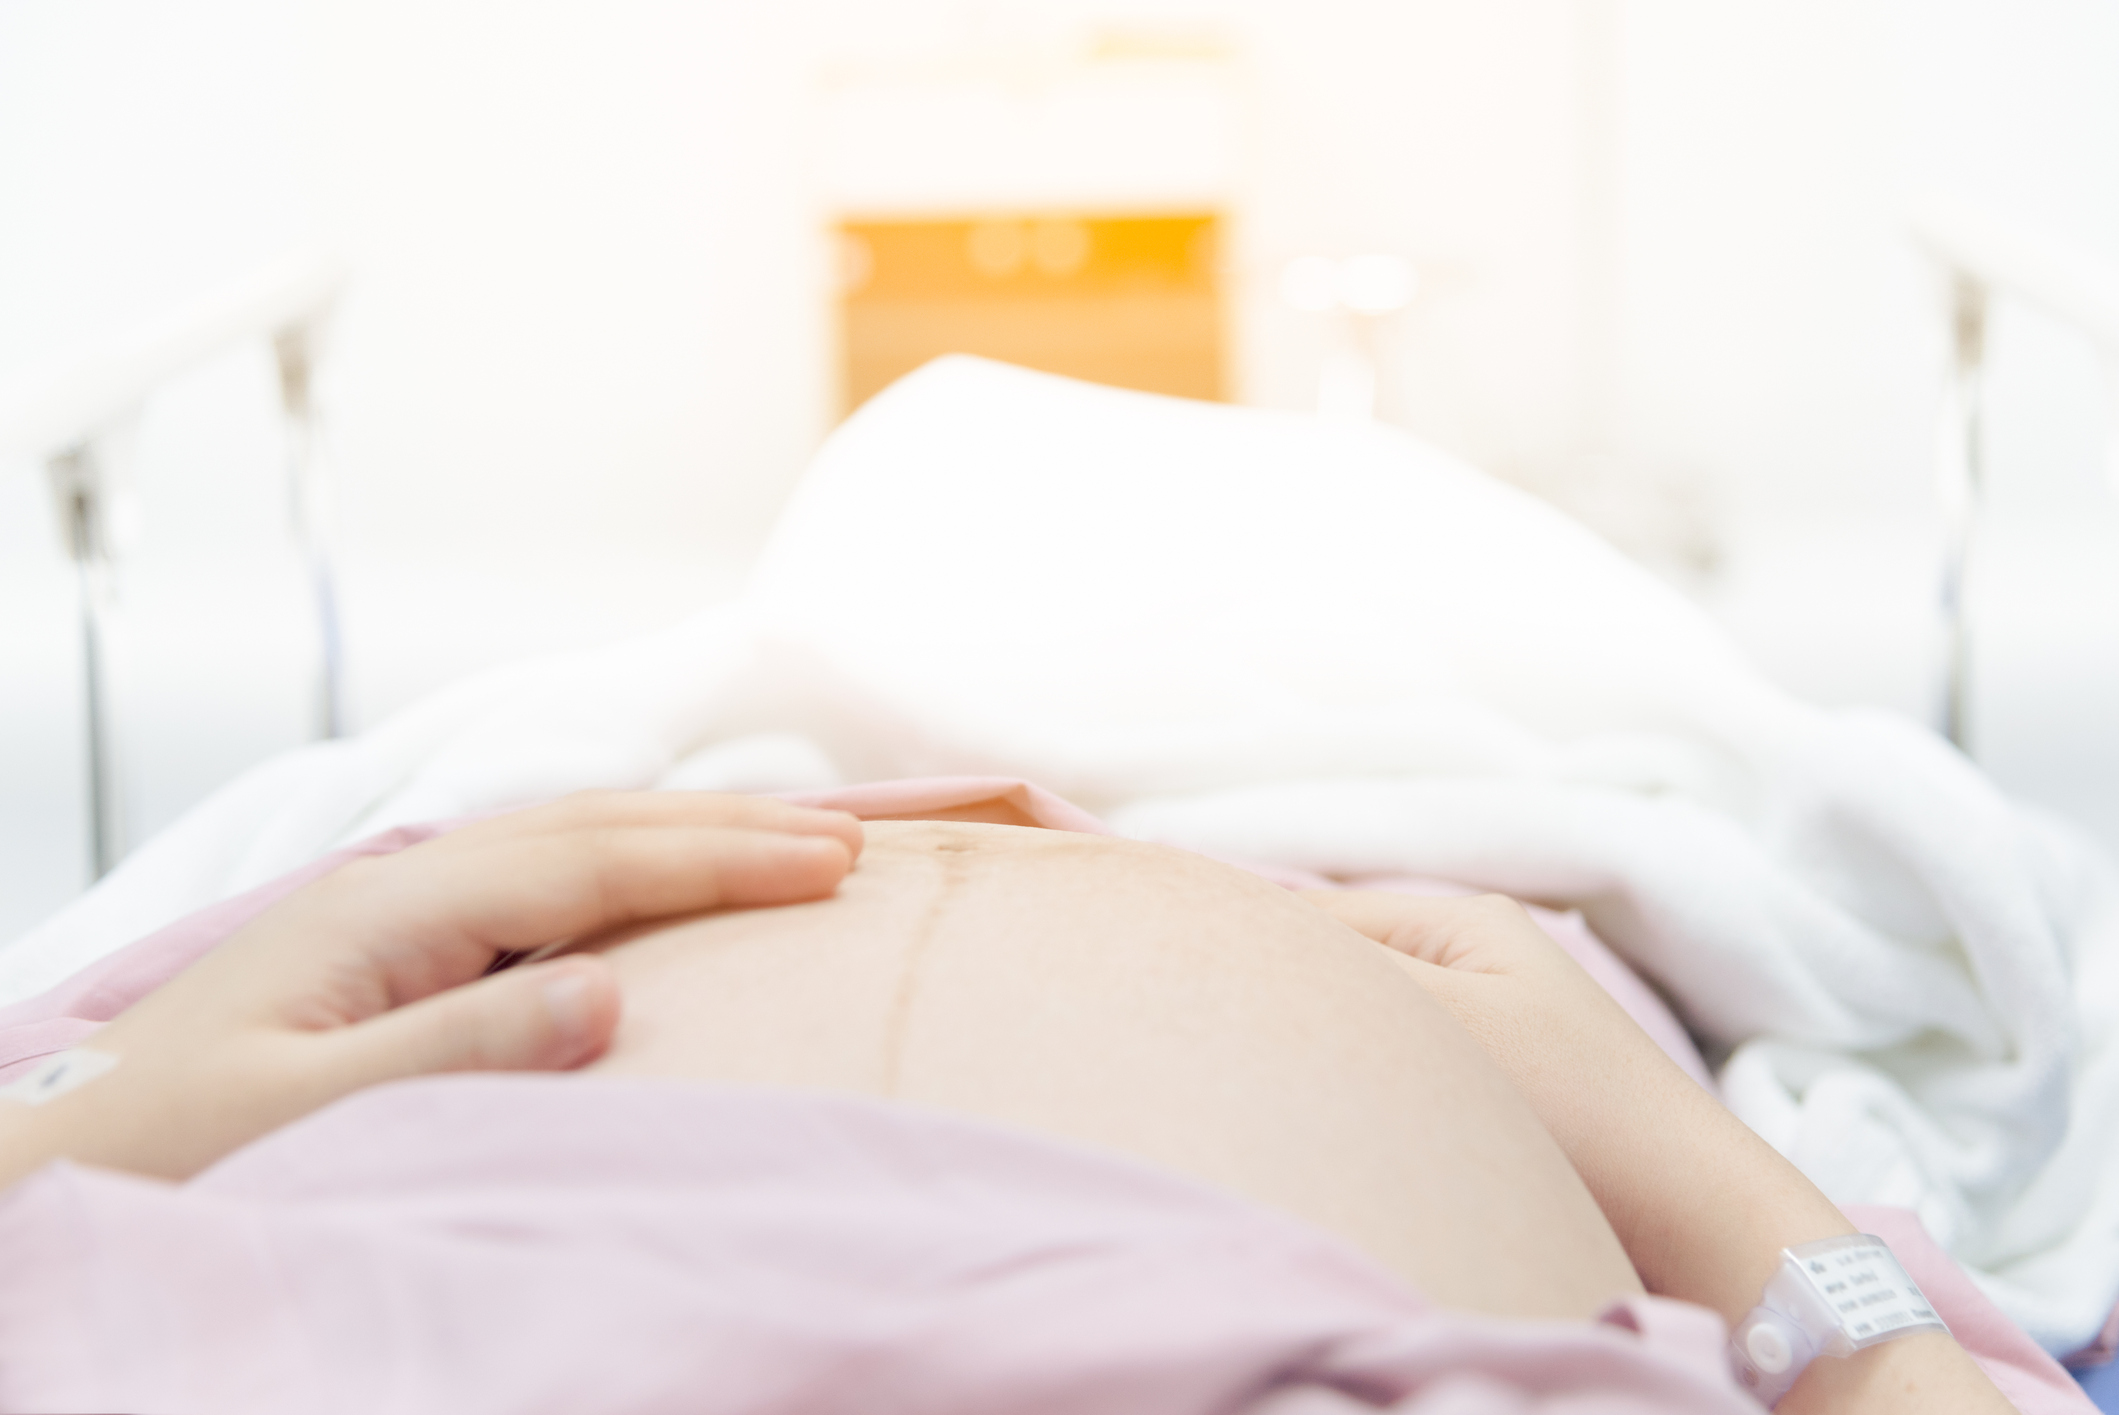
x=377 y=972
x=1702 y=1205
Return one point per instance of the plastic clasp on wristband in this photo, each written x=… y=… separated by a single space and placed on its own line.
x=1830 y=1298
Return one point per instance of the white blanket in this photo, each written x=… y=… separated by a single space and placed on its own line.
x=1337 y=648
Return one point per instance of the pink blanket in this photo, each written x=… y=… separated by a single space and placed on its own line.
x=471 y=1244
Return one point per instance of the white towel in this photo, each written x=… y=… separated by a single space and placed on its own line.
x=1340 y=649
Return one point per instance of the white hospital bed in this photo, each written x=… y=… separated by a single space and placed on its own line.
x=1335 y=648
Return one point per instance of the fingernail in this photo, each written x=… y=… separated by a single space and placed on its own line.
x=567 y=998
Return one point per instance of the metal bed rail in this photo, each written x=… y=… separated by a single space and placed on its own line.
x=78 y=422
x=1987 y=256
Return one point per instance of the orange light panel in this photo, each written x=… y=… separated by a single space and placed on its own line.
x=1133 y=301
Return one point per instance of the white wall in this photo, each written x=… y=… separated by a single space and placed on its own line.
x=1448 y=133
x=1782 y=343
x=590 y=346
x=145 y=154
x=591 y=312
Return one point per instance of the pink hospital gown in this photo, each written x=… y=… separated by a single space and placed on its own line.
x=474 y=1244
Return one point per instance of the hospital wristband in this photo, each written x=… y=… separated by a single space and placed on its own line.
x=1833 y=1297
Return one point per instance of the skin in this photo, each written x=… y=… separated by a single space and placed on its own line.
x=376 y=972
x=1702 y=1204
x=1147 y=1001
x=1367 y=1062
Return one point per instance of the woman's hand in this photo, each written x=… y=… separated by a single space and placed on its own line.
x=1702 y=1205
x=378 y=971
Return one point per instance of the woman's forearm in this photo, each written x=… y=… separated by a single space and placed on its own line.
x=1702 y=1205
x=23 y=1148
x=1704 y=1208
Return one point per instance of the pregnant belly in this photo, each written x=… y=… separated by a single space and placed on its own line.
x=1145 y=1001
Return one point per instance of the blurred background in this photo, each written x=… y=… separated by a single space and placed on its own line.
x=616 y=269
